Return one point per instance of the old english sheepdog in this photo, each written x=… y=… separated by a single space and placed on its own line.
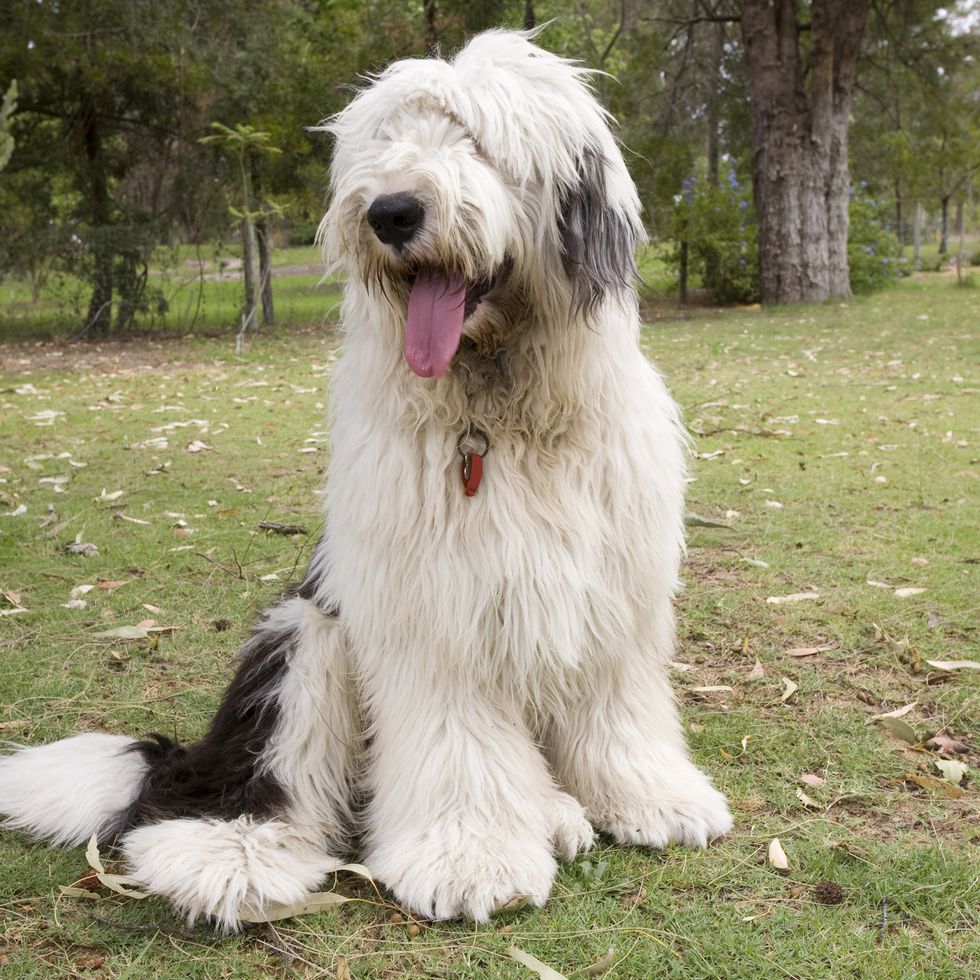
x=472 y=678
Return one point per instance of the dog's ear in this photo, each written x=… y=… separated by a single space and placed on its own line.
x=597 y=239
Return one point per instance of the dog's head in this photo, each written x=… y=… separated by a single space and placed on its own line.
x=470 y=191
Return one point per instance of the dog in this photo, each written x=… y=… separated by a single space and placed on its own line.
x=471 y=680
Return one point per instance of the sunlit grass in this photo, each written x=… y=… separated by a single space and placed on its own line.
x=859 y=419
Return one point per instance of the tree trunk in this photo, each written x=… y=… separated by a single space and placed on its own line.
x=713 y=108
x=429 y=12
x=799 y=117
x=249 y=317
x=99 y=317
x=944 y=227
x=262 y=233
x=530 y=20
x=917 y=236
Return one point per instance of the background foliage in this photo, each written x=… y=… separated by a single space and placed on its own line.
x=113 y=208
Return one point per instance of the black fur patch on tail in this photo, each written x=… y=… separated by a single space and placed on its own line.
x=221 y=776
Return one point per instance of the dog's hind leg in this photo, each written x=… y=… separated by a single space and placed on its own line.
x=258 y=811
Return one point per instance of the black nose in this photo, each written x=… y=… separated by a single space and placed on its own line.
x=395 y=218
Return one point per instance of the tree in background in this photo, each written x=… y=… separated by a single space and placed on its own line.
x=801 y=66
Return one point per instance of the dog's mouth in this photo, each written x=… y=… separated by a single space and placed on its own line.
x=440 y=301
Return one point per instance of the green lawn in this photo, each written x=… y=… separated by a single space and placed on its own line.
x=839 y=443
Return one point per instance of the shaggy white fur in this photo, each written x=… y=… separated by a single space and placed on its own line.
x=67 y=791
x=494 y=684
x=227 y=870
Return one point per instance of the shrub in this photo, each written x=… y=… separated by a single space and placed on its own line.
x=718 y=225
x=873 y=252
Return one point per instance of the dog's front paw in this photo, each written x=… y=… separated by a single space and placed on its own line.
x=686 y=811
x=571 y=831
x=454 y=872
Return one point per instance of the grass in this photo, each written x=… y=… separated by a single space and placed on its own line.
x=859 y=419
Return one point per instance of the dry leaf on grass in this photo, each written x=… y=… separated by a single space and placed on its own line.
x=600 y=966
x=811 y=780
x=115 y=883
x=954 y=664
x=897 y=713
x=952 y=770
x=696 y=520
x=544 y=971
x=806 y=800
x=900 y=728
x=314 y=902
x=810 y=651
x=777 y=856
x=757 y=671
x=712 y=688
x=789 y=689
x=777 y=600
x=935 y=785
x=905 y=593
x=947 y=745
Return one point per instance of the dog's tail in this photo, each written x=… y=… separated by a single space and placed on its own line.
x=71 y=789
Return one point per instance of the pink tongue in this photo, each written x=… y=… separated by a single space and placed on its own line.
x=435 y=322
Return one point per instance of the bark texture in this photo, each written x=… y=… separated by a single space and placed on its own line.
x=801 y=81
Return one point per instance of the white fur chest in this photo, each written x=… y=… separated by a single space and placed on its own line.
x=559 y=549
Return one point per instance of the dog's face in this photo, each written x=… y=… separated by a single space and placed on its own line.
x=469 y=192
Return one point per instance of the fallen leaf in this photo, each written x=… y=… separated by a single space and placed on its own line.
x=812 y=780
x=946 y=744
x=712 y=688
x=878 y=585
x=919 y=561
x=69 y=891
x=120 y=516
x=954 y=664
x=110 y=584
x=196 y=446
x=314 y=902
x=74 y=604
x=532 y=963
x=806 y=800
x=756 y=562
x=86 y=550
x=757 y=671
x=794 y=597
x=13 y=612
x=777 y=856
x=80 y=590
x=149 y=607
x=897 y=713
x=696 y=520
x=905 y=593
x=810 y=651
x=683 y=668
x=900 y=728
x=601 y=965
x=12 y=597
x=115 y=495
x=952 y=770
x=123 y=633
x=789 y=689
x=935 y=785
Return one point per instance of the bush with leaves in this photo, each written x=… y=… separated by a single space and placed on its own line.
x=717 y=223
x=874 y=256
